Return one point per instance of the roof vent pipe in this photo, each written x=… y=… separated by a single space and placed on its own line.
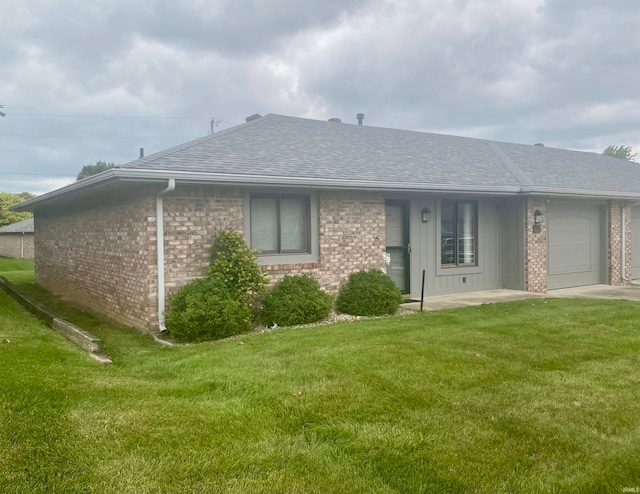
x=337 y=120
x=255 y=116
x=142 y=152
x=360 y=117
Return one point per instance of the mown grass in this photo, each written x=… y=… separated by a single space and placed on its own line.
x=529 y=397
x=17 y=270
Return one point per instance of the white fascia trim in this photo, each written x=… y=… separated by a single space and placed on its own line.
x=578 y=193
x=150 y=176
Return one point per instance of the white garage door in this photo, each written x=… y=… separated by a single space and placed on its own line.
x=574 y=239
x=635 y=243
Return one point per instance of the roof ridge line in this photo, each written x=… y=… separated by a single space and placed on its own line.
x=515 y=170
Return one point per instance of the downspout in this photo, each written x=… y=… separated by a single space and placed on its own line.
x=624 y=244
x=171 y=186
x=22 y=245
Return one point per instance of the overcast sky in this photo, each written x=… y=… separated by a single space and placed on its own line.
x=83 y=81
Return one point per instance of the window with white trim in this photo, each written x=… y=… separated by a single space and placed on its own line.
x=280 y=224
x=458 y=233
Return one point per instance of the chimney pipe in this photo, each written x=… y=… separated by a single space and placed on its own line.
x=142 y=152
x=360 y=117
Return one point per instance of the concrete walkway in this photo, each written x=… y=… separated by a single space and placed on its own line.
x=456 y=300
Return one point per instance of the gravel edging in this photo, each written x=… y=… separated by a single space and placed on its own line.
x=332 y=318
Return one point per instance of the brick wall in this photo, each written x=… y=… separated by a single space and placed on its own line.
x=351 y=237
x=628 y=243
x=193 y=215
x=16 y=245
x=97 y=253
x=101 y=252
x=614 y=246
x=535 y=248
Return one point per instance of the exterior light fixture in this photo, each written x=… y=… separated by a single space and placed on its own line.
x=537 y=217
x=426 y=215
x=537 y=221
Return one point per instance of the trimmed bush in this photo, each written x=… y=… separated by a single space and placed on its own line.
x=235 y=263
x=296 y=300
x=205 y=310
x=369 y=293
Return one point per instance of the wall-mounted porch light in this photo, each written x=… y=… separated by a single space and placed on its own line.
x=537 y=217
x=426 y=215
x=537 y=221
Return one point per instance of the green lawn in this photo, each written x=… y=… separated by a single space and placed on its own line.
x=17 y=270
x=537 y=396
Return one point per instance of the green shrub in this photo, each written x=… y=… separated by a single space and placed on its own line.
x=369 y=293
x=296 y=300
x=205 y=310
x=235 y=263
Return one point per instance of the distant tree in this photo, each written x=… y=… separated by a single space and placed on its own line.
x=622 y=152
x=8 y=199
x=2 y=114
x=89 y=170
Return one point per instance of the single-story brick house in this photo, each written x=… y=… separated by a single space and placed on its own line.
x=16 y=240
x=327 y=199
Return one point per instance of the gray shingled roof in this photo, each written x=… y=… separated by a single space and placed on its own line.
x=25 y=226
x=275 y=150
x=280 y=146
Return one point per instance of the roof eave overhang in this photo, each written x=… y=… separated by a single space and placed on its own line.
x=160 y=176
x=579 y=193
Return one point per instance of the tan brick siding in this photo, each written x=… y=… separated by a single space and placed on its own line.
x=18 y=245
x=193 y=215
x=628 y=250
x=101 y=253
x=98 y=254
x=351 y=238
x=535 y=248
x=615 y=243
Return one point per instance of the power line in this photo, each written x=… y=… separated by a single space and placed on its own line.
x=38 y=174
x=100 y=137
x=71 y=115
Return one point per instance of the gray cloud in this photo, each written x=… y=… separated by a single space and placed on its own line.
x=557 y=71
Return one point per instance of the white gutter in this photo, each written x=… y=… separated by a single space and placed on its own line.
x=249 y=180
x=171 y=186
